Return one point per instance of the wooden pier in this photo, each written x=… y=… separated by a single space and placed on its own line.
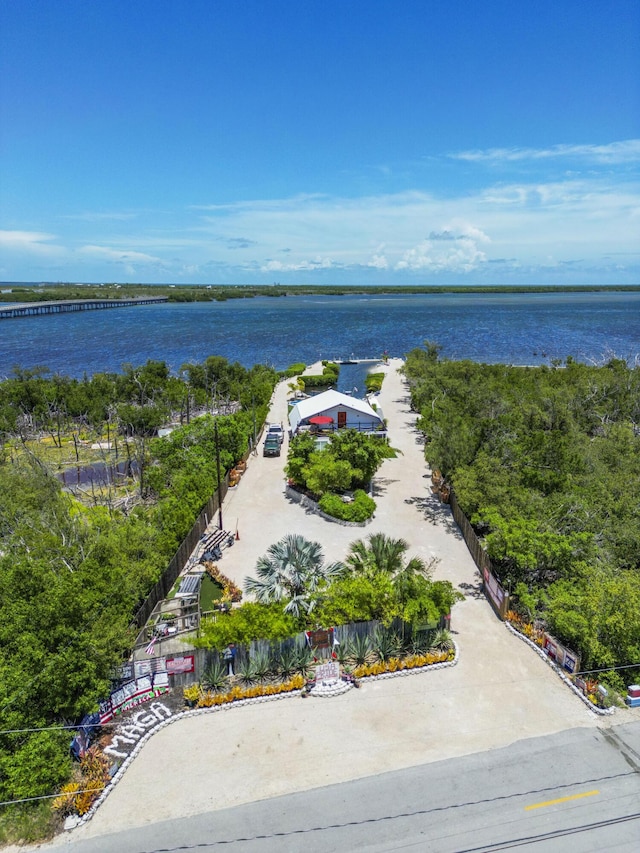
x=34 y=309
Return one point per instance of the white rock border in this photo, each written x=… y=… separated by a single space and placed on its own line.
x=321 y=691
x=559 y=672
x=240 y=703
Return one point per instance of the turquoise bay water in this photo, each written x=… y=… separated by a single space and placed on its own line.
x=515 y=328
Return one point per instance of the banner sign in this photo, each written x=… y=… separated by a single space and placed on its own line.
x=125 y=672
x=150 y=666
x=565 y=658
x=494 y=590
x=133 y=693
x=178 y=665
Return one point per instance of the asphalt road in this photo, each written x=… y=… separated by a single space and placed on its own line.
x=576 y=791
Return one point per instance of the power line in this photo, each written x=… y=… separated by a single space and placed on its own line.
x=51 y=796
x=77 y=727
x=608 y=669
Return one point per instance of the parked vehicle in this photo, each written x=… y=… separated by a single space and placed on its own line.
x=277 y=431
x=272 y=446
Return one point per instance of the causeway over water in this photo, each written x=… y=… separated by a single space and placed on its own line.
x=34 y=309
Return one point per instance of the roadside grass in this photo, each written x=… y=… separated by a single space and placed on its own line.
x=28 y=823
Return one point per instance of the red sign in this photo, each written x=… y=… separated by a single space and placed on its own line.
x=320 y=639
x=175 y=666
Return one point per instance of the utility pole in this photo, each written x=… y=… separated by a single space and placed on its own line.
x=215 y=430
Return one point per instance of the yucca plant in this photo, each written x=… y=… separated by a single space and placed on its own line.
x=215 y=676
x=442 y=640
x=386 y=644
x=360 y=650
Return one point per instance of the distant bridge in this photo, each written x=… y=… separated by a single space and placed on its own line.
x=34 y=309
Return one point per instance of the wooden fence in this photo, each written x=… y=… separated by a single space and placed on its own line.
x=164 y=584
x=495 y=593
x=204 y=658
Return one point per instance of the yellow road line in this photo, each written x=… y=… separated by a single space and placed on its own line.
x=561 y=800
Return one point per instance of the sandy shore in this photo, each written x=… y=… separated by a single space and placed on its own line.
x=500 y=691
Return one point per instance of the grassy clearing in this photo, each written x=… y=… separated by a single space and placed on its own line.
x=210 y=593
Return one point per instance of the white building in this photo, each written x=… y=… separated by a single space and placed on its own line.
x=335 y=411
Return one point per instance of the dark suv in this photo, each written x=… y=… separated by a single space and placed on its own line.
x=271 y=446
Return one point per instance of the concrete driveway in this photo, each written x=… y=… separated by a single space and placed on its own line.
x=499 y=693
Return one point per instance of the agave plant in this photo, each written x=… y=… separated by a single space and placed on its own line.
x=442 y=640
x=386 y=644
x=304 y=661
x=342 y=653
x=286 y=662
x=261 y=665
x=420 y=643
x=360 y=650
x=215 y=676
x=245 y=672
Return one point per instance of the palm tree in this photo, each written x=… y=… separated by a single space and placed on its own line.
x=292 y=570
x=381 y=553
x=386 y=555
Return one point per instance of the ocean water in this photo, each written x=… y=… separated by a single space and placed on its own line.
x=514 y=328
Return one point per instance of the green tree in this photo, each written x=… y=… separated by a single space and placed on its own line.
x=417 y=600
x=364 y=453
x=325 y=473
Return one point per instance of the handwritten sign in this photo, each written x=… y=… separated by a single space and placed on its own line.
x=328 y=672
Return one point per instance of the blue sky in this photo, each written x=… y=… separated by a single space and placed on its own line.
x=399 y=142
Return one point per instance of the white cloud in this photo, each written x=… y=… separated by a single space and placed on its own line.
x=90 y=216
x=401 y=237
x=416 y=231
x=119 y=255
x=450 y=250
x=625 y=151
x=33 y=242
x=378 y=262
x=315 y=264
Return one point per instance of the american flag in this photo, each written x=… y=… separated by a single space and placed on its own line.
x=151 y=646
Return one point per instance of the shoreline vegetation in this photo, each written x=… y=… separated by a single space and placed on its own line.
x=49 y=291
x=544 y=461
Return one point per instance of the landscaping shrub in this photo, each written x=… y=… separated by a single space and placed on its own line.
x=373 y=382
x=319 y=380
x=360 y=509
x=329 y=376
x=294 y=370
x=251 y=621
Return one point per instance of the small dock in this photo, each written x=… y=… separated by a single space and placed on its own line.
x=356 y=360
x=63 y=306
